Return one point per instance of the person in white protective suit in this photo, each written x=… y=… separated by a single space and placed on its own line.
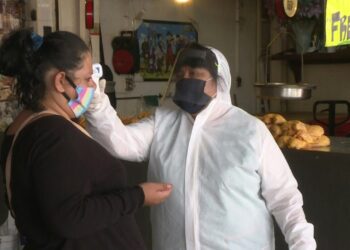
x=228 y=174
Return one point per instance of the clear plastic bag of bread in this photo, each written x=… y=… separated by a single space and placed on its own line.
x=294 y=133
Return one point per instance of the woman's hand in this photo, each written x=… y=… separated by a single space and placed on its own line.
x=155 y=193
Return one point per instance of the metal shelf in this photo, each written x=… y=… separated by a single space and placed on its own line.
x=340 y=56
x=293 y=59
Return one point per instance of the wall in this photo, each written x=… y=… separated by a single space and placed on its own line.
x=218 y=23
x=215 y=22
x=332 y=81
x=246 y=55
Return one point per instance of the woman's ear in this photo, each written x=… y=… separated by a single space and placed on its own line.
x=59 y=81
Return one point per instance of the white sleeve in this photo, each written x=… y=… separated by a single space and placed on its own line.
x=283 y=199
x=130 y=142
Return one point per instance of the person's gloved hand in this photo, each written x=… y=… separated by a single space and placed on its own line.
x=98 y=95
x=100 y=86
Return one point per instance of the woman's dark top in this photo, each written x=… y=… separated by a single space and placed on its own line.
x=68 y=192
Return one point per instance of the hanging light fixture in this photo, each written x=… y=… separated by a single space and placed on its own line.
x=181 y=1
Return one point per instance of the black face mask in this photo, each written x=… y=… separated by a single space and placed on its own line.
x=190 y=96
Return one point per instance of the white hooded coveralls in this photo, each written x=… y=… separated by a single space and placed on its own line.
x=228 y=174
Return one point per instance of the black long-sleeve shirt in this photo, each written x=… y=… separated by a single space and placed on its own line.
x=68 y=192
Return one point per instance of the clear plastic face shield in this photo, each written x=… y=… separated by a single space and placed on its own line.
x=181 y=70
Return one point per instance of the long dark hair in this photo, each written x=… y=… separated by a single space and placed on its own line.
x=26 y=60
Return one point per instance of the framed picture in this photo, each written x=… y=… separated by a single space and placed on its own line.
x=159 y=43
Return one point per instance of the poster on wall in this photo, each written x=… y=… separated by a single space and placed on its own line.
x=337 y=22
x=159 y=43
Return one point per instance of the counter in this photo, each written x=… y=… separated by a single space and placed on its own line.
x=339 y=145
x=323 y=175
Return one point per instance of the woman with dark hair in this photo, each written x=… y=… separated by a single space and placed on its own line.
x=228 y=173
x=64 y=190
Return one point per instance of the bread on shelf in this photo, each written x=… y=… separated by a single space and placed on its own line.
x=294 y=133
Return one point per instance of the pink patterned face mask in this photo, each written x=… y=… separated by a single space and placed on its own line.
x=82 y=102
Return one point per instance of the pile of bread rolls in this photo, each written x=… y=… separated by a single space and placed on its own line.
x=295 y=134
x=132 y=119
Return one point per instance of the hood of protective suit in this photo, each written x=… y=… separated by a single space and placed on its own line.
x=224 y=80
x=220 y=104
x=223 y=83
